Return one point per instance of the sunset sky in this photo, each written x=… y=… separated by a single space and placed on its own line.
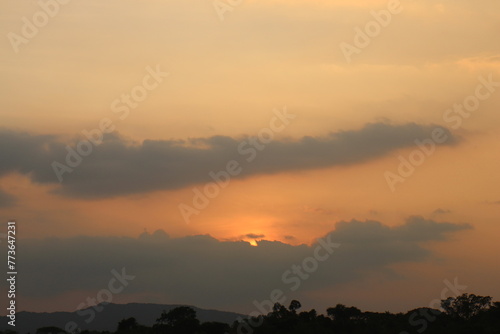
x=309 y=142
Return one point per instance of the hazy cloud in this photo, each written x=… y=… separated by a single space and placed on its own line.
x=254 y=236
x=118 y=167
x=440 y=211
x=492 y=202
x=6 y=200
x=200 y=269
x=318 y=210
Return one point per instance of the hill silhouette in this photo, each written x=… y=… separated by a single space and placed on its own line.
x=108 y=318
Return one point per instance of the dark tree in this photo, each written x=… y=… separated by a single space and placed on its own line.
x=294 y=305
x=342 y=313
x=127 y=325
x=214 y=327
x=280 y=311
x=308 y=316
x=465 y=306
x=50 y=330
x=180 y=320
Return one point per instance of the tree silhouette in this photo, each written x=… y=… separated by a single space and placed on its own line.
x=50 y=330
x=180 y=320
x=280 y=311
x=214 y=327
x=342 y=313
x=465 y=306
x=294 y=306
x=127 y=325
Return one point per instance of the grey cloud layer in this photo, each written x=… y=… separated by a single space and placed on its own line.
x=201 y=270
x=117 y=167
x=6 y=200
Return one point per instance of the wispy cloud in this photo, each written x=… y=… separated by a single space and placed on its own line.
x=492 y=202
x=440 y=211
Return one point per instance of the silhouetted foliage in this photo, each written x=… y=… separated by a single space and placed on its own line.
x=181 y=320
x=214 y=328
x=342 y=313
x=50 y=330
x=294 y=305
x=127 y=325
x=465 y=306
x=465 y=314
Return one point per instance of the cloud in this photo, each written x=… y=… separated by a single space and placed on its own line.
x=118 y=167
x=318 y=210
x=201 y=270
x=23 y=152
x=440 y=211
x=254 y=236
x=6 y=200
x=492 y=202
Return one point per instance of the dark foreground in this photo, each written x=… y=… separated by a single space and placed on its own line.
x=465 y=314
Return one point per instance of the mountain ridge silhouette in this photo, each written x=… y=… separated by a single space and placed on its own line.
x=107 y=319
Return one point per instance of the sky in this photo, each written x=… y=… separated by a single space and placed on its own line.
x=208 y=149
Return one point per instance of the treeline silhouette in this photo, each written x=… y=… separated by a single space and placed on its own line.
x=465 y=314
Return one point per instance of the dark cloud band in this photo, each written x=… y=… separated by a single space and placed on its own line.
x=117 y=167
x=203 y=270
